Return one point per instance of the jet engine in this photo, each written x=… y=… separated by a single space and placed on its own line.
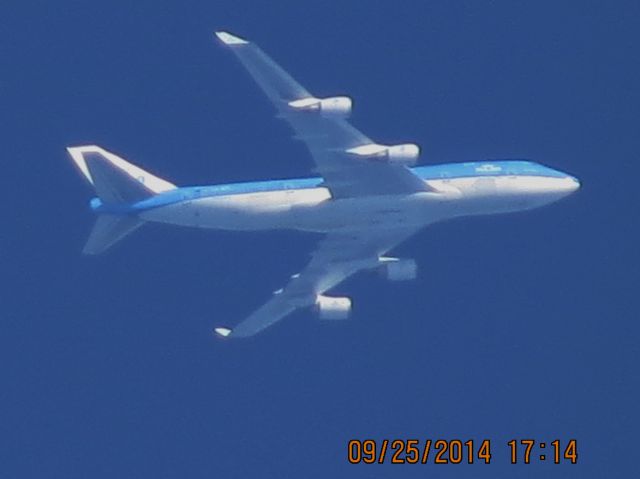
x=404 y=154
x=333 y=307
x=395 y=269
x=339 y=106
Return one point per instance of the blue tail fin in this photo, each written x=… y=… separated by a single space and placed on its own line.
x=116 y=182
x=113 y=185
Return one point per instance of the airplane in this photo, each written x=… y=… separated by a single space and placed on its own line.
x=368 y=198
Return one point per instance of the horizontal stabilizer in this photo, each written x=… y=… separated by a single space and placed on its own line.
x=108 y=230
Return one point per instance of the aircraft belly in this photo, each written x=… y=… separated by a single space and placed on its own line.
x=371 y=212
x=306 y=210
x=251 y=211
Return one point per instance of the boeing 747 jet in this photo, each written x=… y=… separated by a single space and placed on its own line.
x=368 y=197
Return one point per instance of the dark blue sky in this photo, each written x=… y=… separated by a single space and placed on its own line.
x=519 y=326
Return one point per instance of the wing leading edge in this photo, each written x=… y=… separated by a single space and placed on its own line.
x=337 y=257
x=338 y=149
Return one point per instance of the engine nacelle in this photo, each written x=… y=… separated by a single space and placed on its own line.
x=333 y=308
x=336 y=106
x=405 y=154
x=339 y=106
x=396 y=269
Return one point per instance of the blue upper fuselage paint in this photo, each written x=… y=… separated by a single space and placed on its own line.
x=428 y=172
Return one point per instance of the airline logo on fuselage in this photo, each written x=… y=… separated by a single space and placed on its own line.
x=488 y=168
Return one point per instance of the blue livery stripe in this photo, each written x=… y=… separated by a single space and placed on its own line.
x=428 y=172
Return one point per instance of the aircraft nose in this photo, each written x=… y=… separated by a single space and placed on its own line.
x=567 y=186
x=573 y=184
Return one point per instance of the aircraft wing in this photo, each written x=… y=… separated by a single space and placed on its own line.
x=338 y=256
x=357 y=172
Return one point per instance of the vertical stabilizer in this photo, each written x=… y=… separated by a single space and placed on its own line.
x=117 y=182
x=115 y=179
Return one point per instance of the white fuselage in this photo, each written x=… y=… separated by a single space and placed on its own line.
x=313 y=209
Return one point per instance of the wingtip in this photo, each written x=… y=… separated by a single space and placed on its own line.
x=82 y=149
x=222 y=332
x=228 y=39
